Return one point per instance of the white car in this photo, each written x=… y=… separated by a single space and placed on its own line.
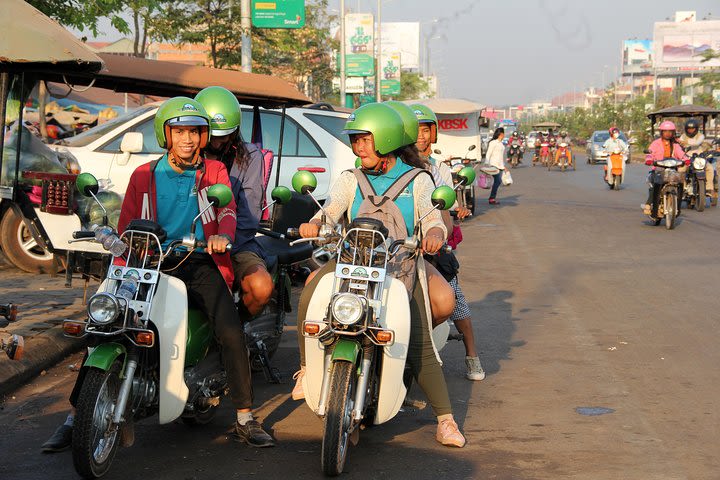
x=312 y=140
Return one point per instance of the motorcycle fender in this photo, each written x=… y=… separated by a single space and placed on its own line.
x=314 y=350
x=169 y=313
x=346 y=351
x=700 y=174
x=396 y=317
x=104 y=355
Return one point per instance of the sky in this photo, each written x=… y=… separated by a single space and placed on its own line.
x=499 y=52
x=513 y=52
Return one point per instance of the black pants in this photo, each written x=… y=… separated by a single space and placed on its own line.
x=208 y=292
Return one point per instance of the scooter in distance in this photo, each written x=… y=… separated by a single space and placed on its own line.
x=515 y=153
x=563 y=157
x=616 y=165
x=696 y=182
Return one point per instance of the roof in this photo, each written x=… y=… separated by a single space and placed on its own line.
x=685 y=111
x=168 y=79
x=450 y=105
x=34 y=42
x=546 y=125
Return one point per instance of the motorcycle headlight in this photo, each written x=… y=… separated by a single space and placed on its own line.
x=699 y=163
x=669 y=163
x=347 y=308
x=103 y=308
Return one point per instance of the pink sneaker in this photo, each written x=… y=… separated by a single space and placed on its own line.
x=448 y=433
x=297 y=392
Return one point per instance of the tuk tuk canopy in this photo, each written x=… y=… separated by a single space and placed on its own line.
x=32 y=42
x=545 y=125
x=684 y=111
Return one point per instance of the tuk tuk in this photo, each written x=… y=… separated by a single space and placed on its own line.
x=37 y=195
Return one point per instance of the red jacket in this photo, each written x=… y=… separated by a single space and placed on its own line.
x=141 y=202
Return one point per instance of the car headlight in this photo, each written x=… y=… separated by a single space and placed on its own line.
x=699 y=163
x=598 y=148
x=347 y=308
x=103 y=308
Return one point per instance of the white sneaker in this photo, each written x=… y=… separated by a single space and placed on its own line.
x=297 y=392
x=475 y=371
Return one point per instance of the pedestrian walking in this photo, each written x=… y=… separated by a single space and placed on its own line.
x=496 y=157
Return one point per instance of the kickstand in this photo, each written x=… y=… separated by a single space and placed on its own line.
x=272 y=374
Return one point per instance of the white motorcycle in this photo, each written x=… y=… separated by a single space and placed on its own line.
x=357 y=328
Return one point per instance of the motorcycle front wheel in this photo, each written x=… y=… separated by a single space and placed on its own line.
x=338 y=418
x=95 y=439
x=700 y=202
x=670 y=210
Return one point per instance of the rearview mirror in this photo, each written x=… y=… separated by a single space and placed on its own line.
x=443 y=197
x=132 y=142
x=87 y=184
x=281 y=195
x=219 y=195
x=304 y=182
x=358 y=162
x=437 y=151
x=646 y=151
x=466 y=175
x=471 y=148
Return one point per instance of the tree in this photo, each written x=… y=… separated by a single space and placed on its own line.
x=82 y=14
x=413 y=86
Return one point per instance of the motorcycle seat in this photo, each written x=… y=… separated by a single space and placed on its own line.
x=278 y=251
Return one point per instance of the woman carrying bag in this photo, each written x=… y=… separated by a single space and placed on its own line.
x=496 y=158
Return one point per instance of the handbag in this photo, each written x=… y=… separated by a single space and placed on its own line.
x=507 y=178
x=484 y=181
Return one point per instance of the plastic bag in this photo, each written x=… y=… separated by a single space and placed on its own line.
x=507 y=178
x=484 y=181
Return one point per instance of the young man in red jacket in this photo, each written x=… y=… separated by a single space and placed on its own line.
x=172 y=192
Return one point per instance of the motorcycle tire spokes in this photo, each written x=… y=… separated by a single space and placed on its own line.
x=338 y=419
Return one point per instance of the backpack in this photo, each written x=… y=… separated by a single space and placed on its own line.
x=383 y=207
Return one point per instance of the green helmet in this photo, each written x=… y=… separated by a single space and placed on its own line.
x=410 y=121
x=180 y=111
x=384 y=123
x=223 y=108
x=425 y=115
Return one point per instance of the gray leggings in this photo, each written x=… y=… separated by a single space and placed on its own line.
x=426 y=369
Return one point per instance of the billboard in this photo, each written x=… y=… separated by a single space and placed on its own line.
x=637 y=56
x=359 y=45
x=390 y=83
x=403 y=37
x=278 y=14
x=679 y=45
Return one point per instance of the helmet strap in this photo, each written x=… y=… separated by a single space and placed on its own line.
x=193 y=165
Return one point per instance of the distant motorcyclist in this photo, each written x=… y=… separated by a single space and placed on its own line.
x=695 y=143
x=661 y=148
x=516 y=139
x=542 y=138
x=563 y=137
x=611 y=144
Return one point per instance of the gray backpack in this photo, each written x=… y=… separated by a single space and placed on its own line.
x=382 y=207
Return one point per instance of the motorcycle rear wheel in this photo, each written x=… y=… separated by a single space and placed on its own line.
x=701 y=200
x=94 y=443
x=616 y=182
x=338 y=419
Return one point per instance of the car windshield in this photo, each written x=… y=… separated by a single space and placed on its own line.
x=89 y=136
x=331 y=124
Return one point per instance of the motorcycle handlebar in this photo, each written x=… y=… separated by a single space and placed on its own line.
x=203 y=244
x=293 y=233
x=83 y=234
x=271 y=234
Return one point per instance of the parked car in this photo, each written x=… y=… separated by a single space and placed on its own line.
x=594 y=146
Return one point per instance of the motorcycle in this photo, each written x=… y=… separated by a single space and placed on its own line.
x=14 y=346
x=357 y=330
x=564 y=157
x=615 y=163
x=669 y=179
x=515 y=154
x=466 y=197
x=149 y=352
x=544 y=154
x=696 y=182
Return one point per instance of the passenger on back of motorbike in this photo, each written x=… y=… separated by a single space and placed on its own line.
x=446 y=263
x=377 y=137
x=166 y=192
x=666 y=146
x=611 y=144
x=694 y=142
x=245 y=166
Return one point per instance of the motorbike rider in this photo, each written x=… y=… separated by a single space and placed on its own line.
x=377 y=137
x=695 y=143
x=612 y=143
x=446 y=263
x=666 y=146
x=244 y=164
x=563 y=137
x=167 y=192
x=517 y=139
x=542 y=138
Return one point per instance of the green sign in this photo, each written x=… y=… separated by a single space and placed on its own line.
x=390 y=87
x=278 y=13
x=359 y=65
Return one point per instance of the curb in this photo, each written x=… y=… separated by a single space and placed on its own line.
x=42 y=351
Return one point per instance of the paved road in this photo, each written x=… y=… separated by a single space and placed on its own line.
x=580 y=306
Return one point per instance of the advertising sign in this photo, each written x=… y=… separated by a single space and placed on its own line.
x=680 y=45
x=637 y=56
x=355 y=85
x=390 y=84
x=278 y=13
x=359 y=65
x=403 y=37
x=359 y=45
x=686 y=16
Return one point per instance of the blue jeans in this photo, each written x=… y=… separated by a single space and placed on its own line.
x=497 y=180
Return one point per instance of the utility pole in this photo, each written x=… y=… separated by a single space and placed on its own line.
x=342 y=52
x=378 y=66
x=246 y=26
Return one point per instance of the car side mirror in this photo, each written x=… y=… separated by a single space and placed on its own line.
x=471 y=148
x=443 y=197
x=132 y=142
x=437 y=151
x=281 y=195
x=466 y=175
x=87 y=184
x=304 y=182
x=219 y=195
x=646 y=151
